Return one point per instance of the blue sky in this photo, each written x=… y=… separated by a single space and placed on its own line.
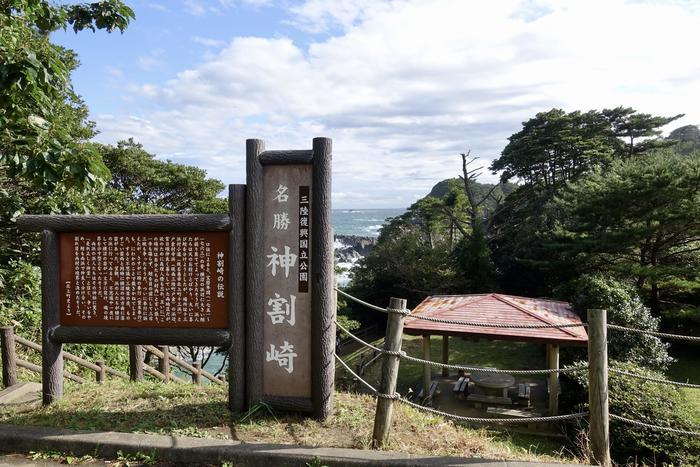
x=401 y=86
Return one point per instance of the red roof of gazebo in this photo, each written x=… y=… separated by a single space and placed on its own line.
x=498 y=309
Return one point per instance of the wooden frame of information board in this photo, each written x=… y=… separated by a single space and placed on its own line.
x=320 y=341
x=55 y=334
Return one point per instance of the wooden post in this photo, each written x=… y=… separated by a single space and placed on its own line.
x=598 y=386
x=390 y=371
x=51 y=351
x=322 y=274
x=136 y=362
x=222 y=378
x=553 y=364
x=254 y=273
x=197 y=375
x=164 y=363
x=9 y=358
x=101 y=374
x=237 y=298
x=427 y=376
x=445 y=354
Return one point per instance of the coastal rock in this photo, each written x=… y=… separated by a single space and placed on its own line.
x=350 y=248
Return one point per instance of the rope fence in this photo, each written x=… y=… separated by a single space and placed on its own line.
x=398 y=397
x=654 y=380
x=664 y=335
x=403 y=355
x=654 y=427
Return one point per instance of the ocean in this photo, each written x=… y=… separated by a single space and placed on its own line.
x=360 y=222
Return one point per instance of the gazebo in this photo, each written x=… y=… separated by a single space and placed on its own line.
x=497 y=309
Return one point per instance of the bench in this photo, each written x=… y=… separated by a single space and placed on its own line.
x=500 y=412
x=511 y=413
x=433 y=389
x=461 y=385
x=484 y=398
x=524 y=394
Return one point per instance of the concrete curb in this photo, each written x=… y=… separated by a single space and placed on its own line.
x=213 y=451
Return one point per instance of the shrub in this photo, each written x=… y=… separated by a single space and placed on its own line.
x=624 y=308
x=653 y=403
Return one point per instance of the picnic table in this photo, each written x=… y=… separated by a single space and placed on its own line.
x=494 y=381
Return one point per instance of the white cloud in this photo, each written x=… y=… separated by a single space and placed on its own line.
x=403 y=86
x=208 y=41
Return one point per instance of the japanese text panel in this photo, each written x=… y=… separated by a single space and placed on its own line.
x=287 y=250
x=144 y=279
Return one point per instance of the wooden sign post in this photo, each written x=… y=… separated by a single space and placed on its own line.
x=290 y=312
x=257 y=281
x=139 y=279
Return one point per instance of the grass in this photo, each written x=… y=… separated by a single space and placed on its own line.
x=499 y=354
x=187 y=410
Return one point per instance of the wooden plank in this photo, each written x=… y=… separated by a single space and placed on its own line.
x=183 y=364
x=322 y=276
x=52 y=351
x=286 y=157
x=73 y=358
x=126 y=223
x=254 y=272
x=120 y=335
x=237 y=299
x=37 y=369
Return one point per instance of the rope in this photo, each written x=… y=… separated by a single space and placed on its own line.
x=494 y=370
x=397 y=396
x=655 y=380
x=553 y=418
x=679 y=337
x=654 y=427
x=404 y=355
x=499 y=326
x=373 y=307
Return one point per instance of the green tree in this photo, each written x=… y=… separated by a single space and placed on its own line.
x=43 y=121
x=554 y=148
x=639 y=218
x=161 y=184
x=44 y=154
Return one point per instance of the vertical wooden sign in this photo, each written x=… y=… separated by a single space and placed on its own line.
x=287 y=297
x=290 y=314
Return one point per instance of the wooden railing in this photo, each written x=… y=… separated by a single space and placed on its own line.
x=10 y=363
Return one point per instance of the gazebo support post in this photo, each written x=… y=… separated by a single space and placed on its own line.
x=553 y=364
x=445 y=354
x=427 y=377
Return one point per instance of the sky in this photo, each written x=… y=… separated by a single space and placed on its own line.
x=402 y=87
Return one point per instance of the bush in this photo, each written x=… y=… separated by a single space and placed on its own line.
x=624 y=308
x=653 y=403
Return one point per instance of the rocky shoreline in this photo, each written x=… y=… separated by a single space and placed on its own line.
x=350 y=248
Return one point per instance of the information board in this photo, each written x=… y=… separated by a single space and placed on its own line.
x=287 y=291
x=144 y=279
